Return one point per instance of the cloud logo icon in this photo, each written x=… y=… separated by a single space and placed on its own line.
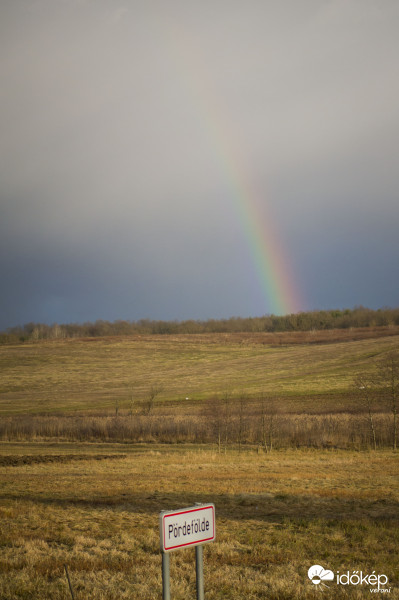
x=318 y=575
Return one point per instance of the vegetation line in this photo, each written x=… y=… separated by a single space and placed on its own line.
x=304 y=321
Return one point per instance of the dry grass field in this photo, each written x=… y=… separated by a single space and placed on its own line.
x=83 y=475
x=277 y=514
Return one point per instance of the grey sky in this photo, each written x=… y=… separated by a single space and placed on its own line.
x=114 y=117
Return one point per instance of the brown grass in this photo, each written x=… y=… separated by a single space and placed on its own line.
x=277 y=514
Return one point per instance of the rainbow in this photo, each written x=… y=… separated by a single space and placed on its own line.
x=275 y=276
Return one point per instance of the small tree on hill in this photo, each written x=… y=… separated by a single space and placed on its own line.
x=155 y=390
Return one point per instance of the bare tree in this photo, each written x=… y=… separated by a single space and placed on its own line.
x=135 y=406
x=368 y=398
x=267 y=422
x=226 y=417
x=131 y=403
x=213 y=413
x=155 y=390
x=388 y=379
x=241 y=423
x=263 y=423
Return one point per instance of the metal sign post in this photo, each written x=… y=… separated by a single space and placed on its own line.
x=199 y=570
x=165 y=576
x=193 y=526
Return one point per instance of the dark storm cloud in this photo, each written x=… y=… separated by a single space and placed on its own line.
x=113 y=198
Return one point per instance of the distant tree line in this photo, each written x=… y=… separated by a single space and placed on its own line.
x=304 y=321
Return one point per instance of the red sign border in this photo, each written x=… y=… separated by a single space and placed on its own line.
x=183 y=512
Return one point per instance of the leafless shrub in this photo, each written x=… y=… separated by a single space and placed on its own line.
x=246 y=427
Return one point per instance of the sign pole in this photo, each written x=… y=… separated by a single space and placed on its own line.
x=199 y=568
x=165 y=576
x=192 y=526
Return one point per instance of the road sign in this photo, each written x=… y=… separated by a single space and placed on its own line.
x=187 y=527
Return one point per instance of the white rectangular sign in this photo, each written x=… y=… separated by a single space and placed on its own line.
x=187 y=527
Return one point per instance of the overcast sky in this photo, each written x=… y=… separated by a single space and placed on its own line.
x=120 y=121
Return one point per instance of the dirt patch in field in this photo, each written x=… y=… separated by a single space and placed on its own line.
x=16 y=461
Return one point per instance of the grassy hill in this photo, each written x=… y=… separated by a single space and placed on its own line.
x=312 y=371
